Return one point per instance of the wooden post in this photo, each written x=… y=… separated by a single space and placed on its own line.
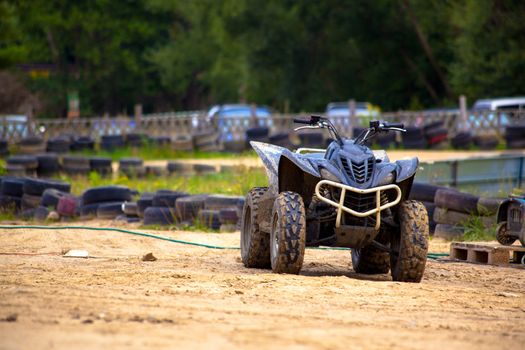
x=351 y=117
x=138 y=115
x=30 y=126
x=254 y=119
x=463 y=112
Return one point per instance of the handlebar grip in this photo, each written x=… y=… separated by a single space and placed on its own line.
x=396 y=125
x=302 y=121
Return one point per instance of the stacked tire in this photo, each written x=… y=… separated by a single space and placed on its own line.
x=104 y=202
x=31 y=145
x=436 y=134
x=515 y=137
x=11 y=192
x=207 y=141
x=101 y=165
x=111 y=142
x=76 y=165
x=221 y=211
x=182 y=143
x=163 y=208
x=4 y=148
x=35 y=204
x=462 y=140
x=132 y=167
x=48 y=165
x=83 y=143
x=414 y=138
x=180 y=168
x=60 y=144
x=20 y=165
x=135 y=139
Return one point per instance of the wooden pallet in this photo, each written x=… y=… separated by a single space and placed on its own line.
x=491 y=254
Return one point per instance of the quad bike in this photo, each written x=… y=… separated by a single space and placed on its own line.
x=511 y=221
x=344 y=196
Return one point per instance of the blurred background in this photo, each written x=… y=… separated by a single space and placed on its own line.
x=292 y=56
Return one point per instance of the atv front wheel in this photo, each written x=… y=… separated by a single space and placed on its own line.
x=370 y=260
x=255 y=244
x=502 y=235
x=288 y=237
x=409 y=246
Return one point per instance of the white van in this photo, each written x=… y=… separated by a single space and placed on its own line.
x=498 y=104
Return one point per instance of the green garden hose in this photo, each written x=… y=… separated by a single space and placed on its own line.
x=164 y=238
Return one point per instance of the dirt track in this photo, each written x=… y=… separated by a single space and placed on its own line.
x=200 y=298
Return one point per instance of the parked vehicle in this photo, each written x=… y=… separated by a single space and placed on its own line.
x=344 y=196
x=338 y=113
x=238 y=115
x=511 y=221
x=506 y=108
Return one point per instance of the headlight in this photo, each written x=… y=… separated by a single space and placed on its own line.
x=387 y=179
x=325 y=174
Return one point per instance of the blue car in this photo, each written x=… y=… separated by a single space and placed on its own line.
x=229 y=117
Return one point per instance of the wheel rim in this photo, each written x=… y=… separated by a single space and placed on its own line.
x=274 y=245
x=246 y=230
x=502 y=236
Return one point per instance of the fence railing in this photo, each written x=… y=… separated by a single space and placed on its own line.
x=195 y=122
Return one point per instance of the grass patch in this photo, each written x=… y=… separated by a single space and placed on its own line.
x=155 y=152
x=475 y=230
x=233 y=183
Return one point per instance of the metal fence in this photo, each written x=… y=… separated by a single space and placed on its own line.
x=487 y=175
x=194 y=122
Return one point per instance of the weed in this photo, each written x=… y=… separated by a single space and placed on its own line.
x=475 y=230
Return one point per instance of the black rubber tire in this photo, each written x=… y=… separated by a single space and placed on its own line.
x=486 y=142
x=75 y=161
x=30 y=201
x=229 y=215
x=106 y=194
x=41 y=213
x=410 y=244
x=83 y=143
x=413 y=134
x=109 y=210
x=204 y=169
x=288 y=236
x=167 y=198
x=89 y=210
x=424 y=192
x=50 y=198
x=462 y=140
x=421 y=144
x=130 y=208
x=135 y=139
x=160 y=141
x=315 y=140
x=180 y=168
x=159 y=216
x=502 y=235
x=255 y=244
x=13 y=186
x=370 y=260
x=488 y=206
x=282 y=139
x=131 y=162
x=458 y=201
x=210 y=219
x=187 y=208
x=28 y=162
x=145 y=201
x=218 y=202
x=76 y=171
x=387 y=140
x=100 y=162
x=48 y=164
x=10 y=204
x=154 y=170
x=38 y=186
x=58 y=144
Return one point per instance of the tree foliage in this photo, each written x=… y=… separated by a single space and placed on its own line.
x=285 y=53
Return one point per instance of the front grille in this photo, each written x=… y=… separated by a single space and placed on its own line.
x=515 y=218
x=359 y=172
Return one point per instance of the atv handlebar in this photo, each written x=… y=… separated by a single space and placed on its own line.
x=302 y=121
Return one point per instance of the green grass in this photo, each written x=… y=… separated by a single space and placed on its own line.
x=233 y=183
x=475 y=230
x=151 y=152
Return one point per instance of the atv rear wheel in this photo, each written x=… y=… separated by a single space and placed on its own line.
x=370 y=260
x=409 y=246
x=288 y=237
x=503 y=236
x=255 y=244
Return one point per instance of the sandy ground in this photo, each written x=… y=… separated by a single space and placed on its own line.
x=201 y=298
x=423 y=155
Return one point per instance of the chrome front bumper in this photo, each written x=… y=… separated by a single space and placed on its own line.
x=341 y=207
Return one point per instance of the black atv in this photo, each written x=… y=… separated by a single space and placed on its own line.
x=344 y=196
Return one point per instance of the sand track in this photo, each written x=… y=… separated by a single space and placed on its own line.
x=200 y=298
